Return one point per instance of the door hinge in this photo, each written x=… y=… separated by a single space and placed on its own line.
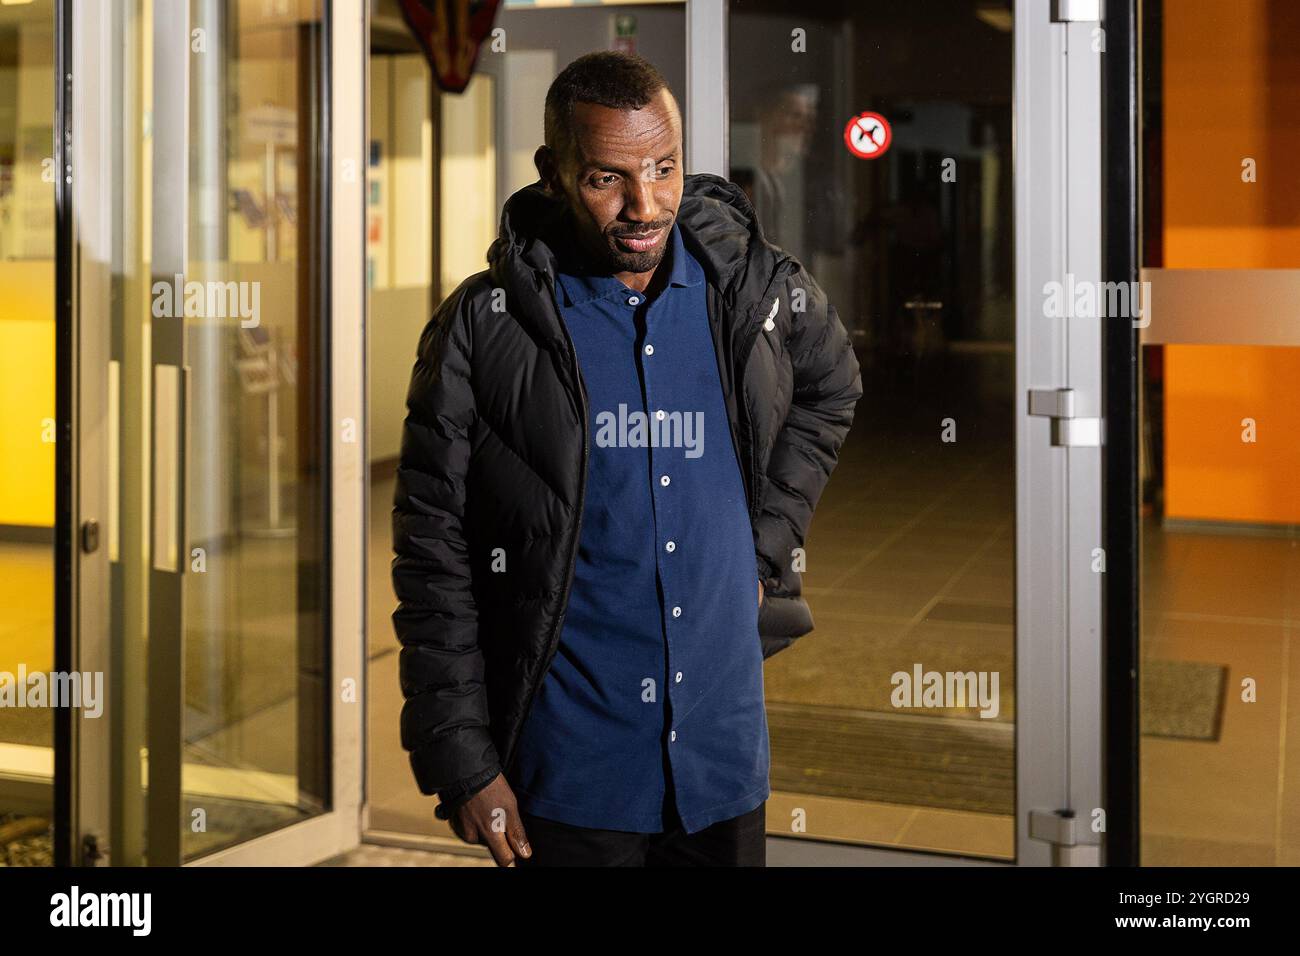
x=1058 y=405
x=1052 y=826
x=1057 y=827
x=1076 y=11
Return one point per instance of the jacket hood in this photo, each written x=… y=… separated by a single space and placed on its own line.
x=716 y=218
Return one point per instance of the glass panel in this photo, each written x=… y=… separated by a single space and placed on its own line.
x=1220 y=711
x=27 y=440
x=252 y=622
x=476 y=149
x=405 y=131
x=909 y=561
x=255 y=665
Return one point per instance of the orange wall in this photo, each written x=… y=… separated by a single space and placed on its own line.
x=1231 y=91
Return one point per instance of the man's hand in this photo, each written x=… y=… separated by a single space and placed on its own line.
x=491 y=817
x=760 y=593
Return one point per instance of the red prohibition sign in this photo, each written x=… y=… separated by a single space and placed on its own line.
x=868 y=135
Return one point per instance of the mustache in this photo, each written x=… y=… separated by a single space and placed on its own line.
x=642 y=231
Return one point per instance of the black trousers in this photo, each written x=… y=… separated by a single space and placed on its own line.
x=740 y=841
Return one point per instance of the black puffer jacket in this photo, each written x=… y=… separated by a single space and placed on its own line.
x=493 y=465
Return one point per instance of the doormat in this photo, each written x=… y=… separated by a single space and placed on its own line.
x=1182 y=699
x=952 y=763
x=943 y=762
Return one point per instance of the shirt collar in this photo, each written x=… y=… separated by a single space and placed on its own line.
x=580 y=286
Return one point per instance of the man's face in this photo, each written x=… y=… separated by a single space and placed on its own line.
x=622 y=176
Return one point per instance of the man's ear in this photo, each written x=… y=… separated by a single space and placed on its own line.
x=544 y=160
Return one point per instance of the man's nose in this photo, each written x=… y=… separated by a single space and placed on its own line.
x=640 y=205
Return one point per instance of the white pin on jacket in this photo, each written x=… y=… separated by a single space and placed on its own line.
x=769 y=325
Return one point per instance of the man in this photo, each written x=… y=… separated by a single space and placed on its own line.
x=615 y=439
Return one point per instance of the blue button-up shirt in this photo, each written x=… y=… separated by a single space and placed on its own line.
x=654 y=700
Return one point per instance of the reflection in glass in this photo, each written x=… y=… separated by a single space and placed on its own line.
x=910 y=555
x=254 y=621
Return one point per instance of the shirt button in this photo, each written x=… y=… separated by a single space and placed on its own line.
x=664 y=481
x=677 y=612
x=649 y=349
x=633 y=300
x=672 y=735
x=670 y=546
x=679 y=677
x=660 y=414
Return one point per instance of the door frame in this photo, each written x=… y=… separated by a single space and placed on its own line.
x=1122 y=184
x=1057 y=201
x=1058 y=488
x=88 y=214
x=343 y=221
x=69 y=811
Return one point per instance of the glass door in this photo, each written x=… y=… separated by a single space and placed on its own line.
x=936 y=166
x=914 y=158
x=29 y=651
x=1220 y=506
x=210 y=437
x=441 y=166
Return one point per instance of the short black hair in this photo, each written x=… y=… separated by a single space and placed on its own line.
x=611 y=78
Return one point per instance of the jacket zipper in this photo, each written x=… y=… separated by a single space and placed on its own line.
x=747 y=350
x=553 y=641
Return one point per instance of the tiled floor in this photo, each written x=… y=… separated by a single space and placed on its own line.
x=1232 y=600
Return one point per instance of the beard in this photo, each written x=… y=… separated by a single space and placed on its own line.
x=616 y=259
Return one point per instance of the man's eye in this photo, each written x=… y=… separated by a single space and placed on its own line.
x=607 y=180
x=665 y=171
